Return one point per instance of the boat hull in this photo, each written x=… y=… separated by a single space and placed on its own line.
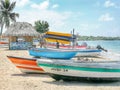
x=63 y=53
x=73 y=78
x=26 y=65
x=88 y=52
x=3 y=42
x=102 y=71
x=50 y=53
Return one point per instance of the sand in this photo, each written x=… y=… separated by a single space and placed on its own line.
x=11 y=78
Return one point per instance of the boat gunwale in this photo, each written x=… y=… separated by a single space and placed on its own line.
x=32 y=59
x=76 y=67
x=53 y=50
x=79 y=61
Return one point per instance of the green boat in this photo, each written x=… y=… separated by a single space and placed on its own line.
x=82 y=69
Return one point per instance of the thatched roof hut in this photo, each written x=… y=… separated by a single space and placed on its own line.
x=21 y=30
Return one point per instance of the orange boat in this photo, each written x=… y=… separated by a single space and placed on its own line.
x=3 y=42
x=26 y=65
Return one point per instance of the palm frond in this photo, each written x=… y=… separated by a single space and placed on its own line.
x=12 y=6
x=7 y=4
x=2 y=4
x=6 y=13
x=1 y=8
x=17 y=15
x=41 y=26
x=13 y=16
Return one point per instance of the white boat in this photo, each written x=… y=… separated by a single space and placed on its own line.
x=88 y=69
x=88 y=52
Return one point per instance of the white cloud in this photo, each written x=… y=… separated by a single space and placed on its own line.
x=108 y=3
x=56 y=20
x=106 y=17
x=55 y=6
x=44 y=5
x=89 y=26
x=21 y=3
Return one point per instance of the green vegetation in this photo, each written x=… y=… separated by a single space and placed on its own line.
x=6 y=13
x=41 y=26
x=97 y=38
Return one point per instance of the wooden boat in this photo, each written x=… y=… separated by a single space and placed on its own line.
x=83 y=69
x=52 y=53
x=2 y=42
x=26 y=65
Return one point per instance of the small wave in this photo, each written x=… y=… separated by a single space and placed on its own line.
x=114 y=53
x=111 y=55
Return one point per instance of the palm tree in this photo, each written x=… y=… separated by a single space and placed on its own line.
x=41 y=26
x=6 y=13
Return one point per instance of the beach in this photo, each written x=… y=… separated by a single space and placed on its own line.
x=11 y=78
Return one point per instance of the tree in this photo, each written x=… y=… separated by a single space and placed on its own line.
x=41 y=26
x=6 y=13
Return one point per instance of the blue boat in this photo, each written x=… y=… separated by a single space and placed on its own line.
x=51 y=53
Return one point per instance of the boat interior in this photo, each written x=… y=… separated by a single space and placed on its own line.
x=94 y=59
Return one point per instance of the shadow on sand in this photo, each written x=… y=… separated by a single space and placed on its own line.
x=84 y=83
x=31 y=75
x=70 y=83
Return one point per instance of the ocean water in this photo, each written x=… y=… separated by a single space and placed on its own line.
x=112 y=46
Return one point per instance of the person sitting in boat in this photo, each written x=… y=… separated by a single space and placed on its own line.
x=84 y=44
x=57 y=45
x=77 y=44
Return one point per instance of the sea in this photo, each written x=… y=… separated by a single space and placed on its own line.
x=112 y=46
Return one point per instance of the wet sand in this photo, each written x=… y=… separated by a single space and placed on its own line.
x=11 y=78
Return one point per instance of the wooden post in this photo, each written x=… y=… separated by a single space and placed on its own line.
x=73 y=38
x=9 y=41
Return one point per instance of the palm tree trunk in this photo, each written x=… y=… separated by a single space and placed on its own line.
x=1 y=31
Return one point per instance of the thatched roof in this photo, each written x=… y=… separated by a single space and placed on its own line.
x=21 y=29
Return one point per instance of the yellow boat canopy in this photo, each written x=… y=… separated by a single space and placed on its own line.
x=59 y=34
x=58 y=37
x=57 y=40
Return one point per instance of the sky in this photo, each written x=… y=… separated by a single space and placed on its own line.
x=86 y=17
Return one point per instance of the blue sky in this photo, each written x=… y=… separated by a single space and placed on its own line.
x=87 y=17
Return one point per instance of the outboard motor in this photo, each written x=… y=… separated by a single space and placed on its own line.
x=101 y=48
